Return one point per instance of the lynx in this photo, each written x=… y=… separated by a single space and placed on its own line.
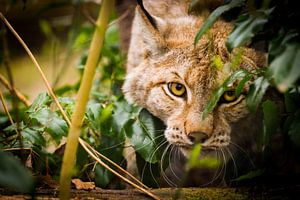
x=174 y=79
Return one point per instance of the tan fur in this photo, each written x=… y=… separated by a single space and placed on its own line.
x=159 y=56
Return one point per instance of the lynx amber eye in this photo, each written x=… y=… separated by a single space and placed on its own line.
x=176 y=89
x=229 y=96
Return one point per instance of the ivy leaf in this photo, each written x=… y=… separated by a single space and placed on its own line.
x=100 y=117
x=103 y=176
x=285 y=68
x=246 y=27
x=55 y=126
x=41 y=101
x=142 y=132
x=219 y=92
x=122 y=113
x=214 y=16
x=270 y=121
x=14 y=175
x=256 y=92
x=33 y=136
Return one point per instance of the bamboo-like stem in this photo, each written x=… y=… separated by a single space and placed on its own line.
x=19 y=95
x=82 y=98
x=5 y=108
x=120 y=176
x=51 y=93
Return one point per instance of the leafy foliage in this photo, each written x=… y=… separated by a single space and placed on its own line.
x=239 y=74
x=274 y=24
x=195 y=160
x=246 y=26
x=108 y=120
x=214 y=16
x=14 y=175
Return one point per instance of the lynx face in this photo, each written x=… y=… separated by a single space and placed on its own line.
x=174 y=79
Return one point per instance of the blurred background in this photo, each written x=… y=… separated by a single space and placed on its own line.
x=58 y=33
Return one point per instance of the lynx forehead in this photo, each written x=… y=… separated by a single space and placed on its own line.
x=174 y=79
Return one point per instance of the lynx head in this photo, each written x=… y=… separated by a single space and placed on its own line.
x=174 y=79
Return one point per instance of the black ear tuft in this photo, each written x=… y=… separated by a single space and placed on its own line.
x=149 y=17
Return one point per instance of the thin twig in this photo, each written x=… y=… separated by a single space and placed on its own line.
x=82 y=142
x=11 y=82
x=18 y=94
x=5 y=108
x=117 y=166
x=50 y=91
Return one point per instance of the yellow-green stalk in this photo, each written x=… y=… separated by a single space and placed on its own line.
x=82 y=99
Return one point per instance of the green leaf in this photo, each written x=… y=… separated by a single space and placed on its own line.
x=195 y=159
x=279 y=44
x=219 y=92
x=250 y=175
x=34 y=136
x=214 y=16
x=246 y=27
x=122 y=113
x=270 y=121
x=14 y=175
x=285 y=68
x=55 y=126
x=151 y=172
x=256 y=92
x=239 y=88
x=142 y=132
x=213 y=101
x=41 y=101
x=217 y=62
x=103 y=176
x=111 y=147
x=100 y=117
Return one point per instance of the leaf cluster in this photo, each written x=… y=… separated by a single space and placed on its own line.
x=273 y=24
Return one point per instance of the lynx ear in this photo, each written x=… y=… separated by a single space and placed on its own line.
x=149 y=30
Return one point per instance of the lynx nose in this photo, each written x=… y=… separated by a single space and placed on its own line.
x=198 y=137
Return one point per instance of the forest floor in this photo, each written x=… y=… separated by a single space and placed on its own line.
x=291 y=192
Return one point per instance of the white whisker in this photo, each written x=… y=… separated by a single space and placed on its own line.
x=244 y=152
x=235 y=169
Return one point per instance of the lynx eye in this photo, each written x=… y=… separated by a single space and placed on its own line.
x=177 y=89
x=229 y=96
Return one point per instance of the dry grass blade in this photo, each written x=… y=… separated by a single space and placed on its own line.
x=5 y=108
x=83 y=144
x=114 y=164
